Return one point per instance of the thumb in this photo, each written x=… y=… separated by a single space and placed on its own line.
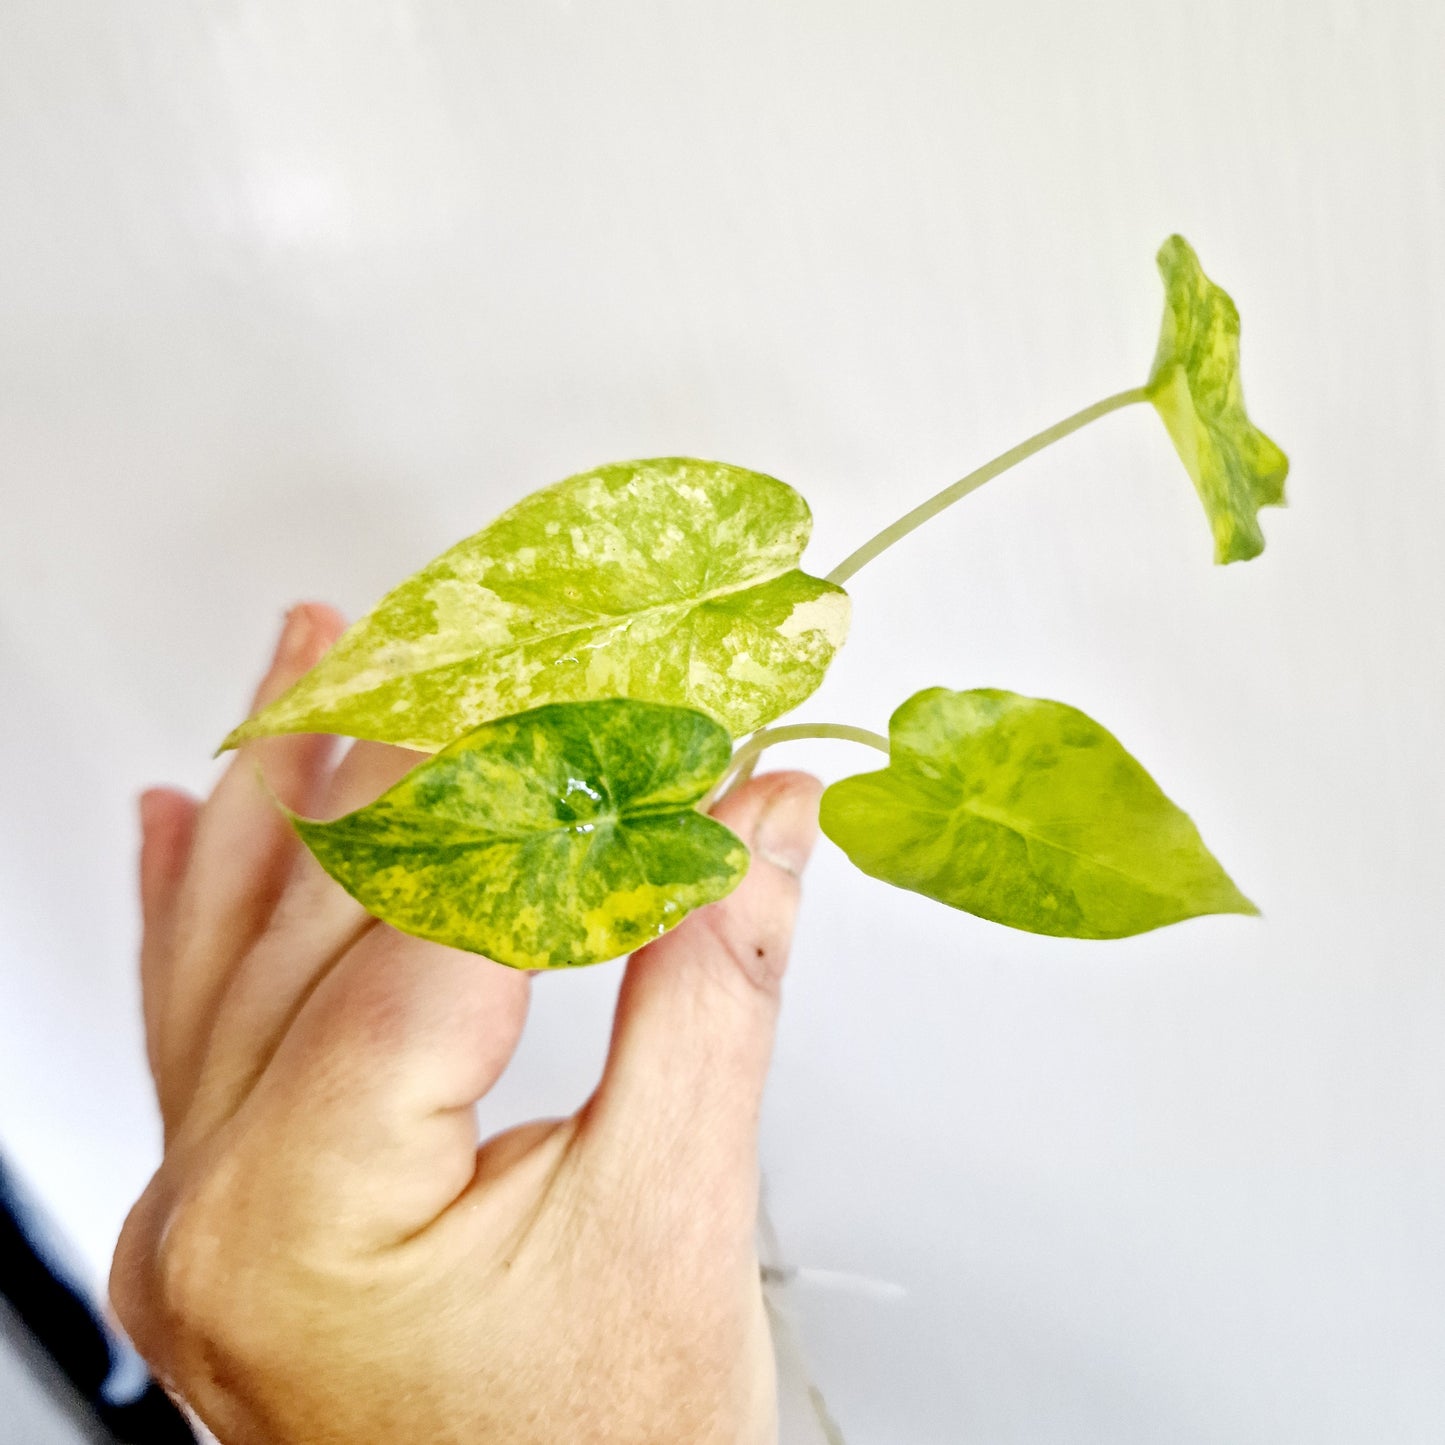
x=693 y=1033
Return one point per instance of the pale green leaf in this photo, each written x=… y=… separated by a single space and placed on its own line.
x=1028 y=813
x=1195 y=388
x=670 y=580
x=564 y=835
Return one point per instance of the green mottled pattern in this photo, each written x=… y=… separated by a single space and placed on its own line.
x=565 y=835
x=671 y=580
x=1028 y=813
x=1195 y=388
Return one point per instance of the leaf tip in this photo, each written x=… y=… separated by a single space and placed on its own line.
x=232 y=740
x=1238 y=546
x=1173 y=250
x=295 y=819
x=1228 y=897
x=1247 y=907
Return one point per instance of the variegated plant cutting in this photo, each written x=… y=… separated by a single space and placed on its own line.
x=583 y=667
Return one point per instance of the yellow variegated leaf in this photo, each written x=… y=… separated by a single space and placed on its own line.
x=672 y=580
x=1026 y=812
x=1195 y=388
x=565 y=835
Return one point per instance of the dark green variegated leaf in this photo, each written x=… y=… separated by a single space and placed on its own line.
x=1028 y=813
x=565 y=835
x=1195 y=388
x=671 y=580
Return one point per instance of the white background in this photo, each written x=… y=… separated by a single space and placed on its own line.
x=293 y=296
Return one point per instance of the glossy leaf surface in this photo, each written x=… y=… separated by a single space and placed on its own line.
x=1029 y=813
x=671 y=580
x=1195 y=388
x=565 y=835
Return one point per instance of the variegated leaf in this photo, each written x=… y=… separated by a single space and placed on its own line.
x=1026 y=812
x=565 y=835
x=671 y=580
x=1195 y=388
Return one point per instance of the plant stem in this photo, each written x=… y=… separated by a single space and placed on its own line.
x=785 y=1333
x=975 y=479
x=740 y=769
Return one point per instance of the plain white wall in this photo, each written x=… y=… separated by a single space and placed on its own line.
x=292 y=296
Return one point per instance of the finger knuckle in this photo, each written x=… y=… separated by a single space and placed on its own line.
x=129 y=1271
x=188 y=1288
x=166 y=1281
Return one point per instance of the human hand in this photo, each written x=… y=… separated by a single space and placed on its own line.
x=325 y=1255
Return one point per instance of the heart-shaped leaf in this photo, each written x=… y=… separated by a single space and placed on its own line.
x=565 y=835
x=671 y=580
x=1195 y=388
x=1028 y=813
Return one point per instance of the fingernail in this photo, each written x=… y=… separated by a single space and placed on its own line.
x=296 y=634
x=788 y=827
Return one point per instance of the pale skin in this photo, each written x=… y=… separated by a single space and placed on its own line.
x=329 y=1254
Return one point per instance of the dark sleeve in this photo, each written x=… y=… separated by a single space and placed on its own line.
x=115 y=1397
